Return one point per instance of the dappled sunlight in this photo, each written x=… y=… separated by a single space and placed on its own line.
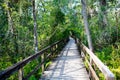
x=68 y=66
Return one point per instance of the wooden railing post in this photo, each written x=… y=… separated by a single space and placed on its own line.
x=56 y=47
x=52 y=52
x=20 y=74
x=42 y=59
x=77 y=41
x=90 y=73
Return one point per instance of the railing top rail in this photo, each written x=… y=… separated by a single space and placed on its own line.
x=103 y=68
x=6 y=73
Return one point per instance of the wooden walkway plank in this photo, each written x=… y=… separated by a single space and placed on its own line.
x=68 y=66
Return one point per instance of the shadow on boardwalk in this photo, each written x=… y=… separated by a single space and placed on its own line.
x=68 y=65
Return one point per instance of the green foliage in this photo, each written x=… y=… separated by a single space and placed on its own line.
x=106 y=39
x=56 y=21
x=117 y=73
x=19 y=45
x=60 y=17
x=32 y=78
x=111 y=56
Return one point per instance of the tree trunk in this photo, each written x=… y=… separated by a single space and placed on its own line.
x=12 y=31
x=35 y=27
x=85 y=17
x=10 y=22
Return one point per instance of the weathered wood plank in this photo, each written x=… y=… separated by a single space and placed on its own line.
x=20 y=74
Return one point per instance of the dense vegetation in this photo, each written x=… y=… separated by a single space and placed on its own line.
x=55 y=20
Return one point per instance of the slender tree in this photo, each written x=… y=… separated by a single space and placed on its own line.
x=35 y=27
x=10 y=21
x=85 y=17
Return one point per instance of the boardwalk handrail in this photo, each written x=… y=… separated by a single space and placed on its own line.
x=103 y=68
x=18 y=66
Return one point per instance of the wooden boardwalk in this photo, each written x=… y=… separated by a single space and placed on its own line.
x=68 y=66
